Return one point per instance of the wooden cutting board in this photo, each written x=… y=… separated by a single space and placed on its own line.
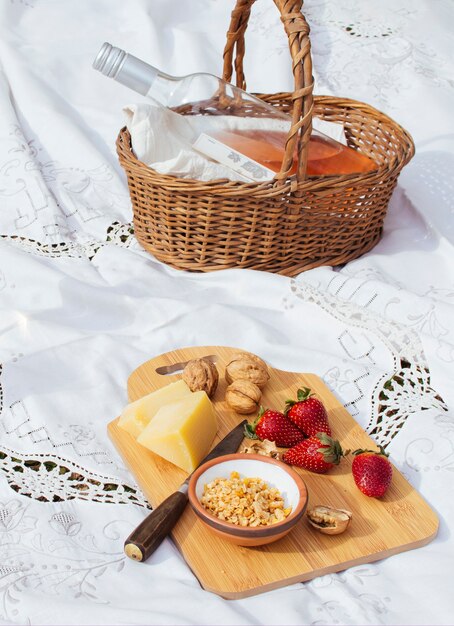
x=399 y=521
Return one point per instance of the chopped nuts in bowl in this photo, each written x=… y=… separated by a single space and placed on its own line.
x=248 y=499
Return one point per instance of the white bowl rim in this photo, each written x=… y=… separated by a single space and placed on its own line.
x=230 y=528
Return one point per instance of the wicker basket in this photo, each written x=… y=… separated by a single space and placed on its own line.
x=290 y=224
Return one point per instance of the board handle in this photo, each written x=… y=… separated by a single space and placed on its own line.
x=144 y=540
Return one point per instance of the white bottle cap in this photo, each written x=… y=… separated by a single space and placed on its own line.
x=125 y=68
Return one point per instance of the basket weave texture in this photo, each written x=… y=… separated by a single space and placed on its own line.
x=287 y=225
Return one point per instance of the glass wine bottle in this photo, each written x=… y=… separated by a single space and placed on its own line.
x=248 y=136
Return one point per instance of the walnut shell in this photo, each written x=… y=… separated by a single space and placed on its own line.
x=201 y=375
x=328 y=520
x=244 y=366
x=265 y=447
x=243 y=396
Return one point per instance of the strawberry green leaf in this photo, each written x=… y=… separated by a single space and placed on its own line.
x=303 y=394
x=380 y=452
x=383 y=452
x=332 y=451
x=260 y=414
x=249 y=431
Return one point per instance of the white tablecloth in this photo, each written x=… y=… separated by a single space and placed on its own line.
x=81 y=305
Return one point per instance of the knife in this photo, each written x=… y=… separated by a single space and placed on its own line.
x=144 y=540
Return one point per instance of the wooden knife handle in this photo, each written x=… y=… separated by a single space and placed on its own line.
x=144 y=540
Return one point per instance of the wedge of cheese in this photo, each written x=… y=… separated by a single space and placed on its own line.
x=138 y=414
x=182 y=432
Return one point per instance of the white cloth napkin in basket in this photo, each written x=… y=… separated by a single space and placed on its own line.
x=162 y=139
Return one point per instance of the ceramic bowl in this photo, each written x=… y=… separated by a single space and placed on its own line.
x=273 y=472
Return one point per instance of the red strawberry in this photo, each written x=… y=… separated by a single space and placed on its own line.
x=372 y=472
x=276 y=427
x=308 y=413
x=317 y=454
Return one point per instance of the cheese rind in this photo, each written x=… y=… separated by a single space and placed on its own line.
x=183 y=432
x=137 y=415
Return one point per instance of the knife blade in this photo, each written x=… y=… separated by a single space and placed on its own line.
x=150 y=533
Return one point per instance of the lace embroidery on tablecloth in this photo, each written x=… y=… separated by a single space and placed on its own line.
x=50 y=478
x=63 y=554
x=45 y=202
x=394 y=397
x=389 y=35
x=117 y=234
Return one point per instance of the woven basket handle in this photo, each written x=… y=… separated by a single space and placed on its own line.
x=297 y=31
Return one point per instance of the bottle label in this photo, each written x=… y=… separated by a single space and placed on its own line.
x=220 y=152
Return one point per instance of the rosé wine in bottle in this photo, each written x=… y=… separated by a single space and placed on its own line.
x=240 y=131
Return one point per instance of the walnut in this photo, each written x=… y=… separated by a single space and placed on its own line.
x=328 y=520
x=265 y=447
x=243 y=396
x=201 y=375
x=244 y=366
